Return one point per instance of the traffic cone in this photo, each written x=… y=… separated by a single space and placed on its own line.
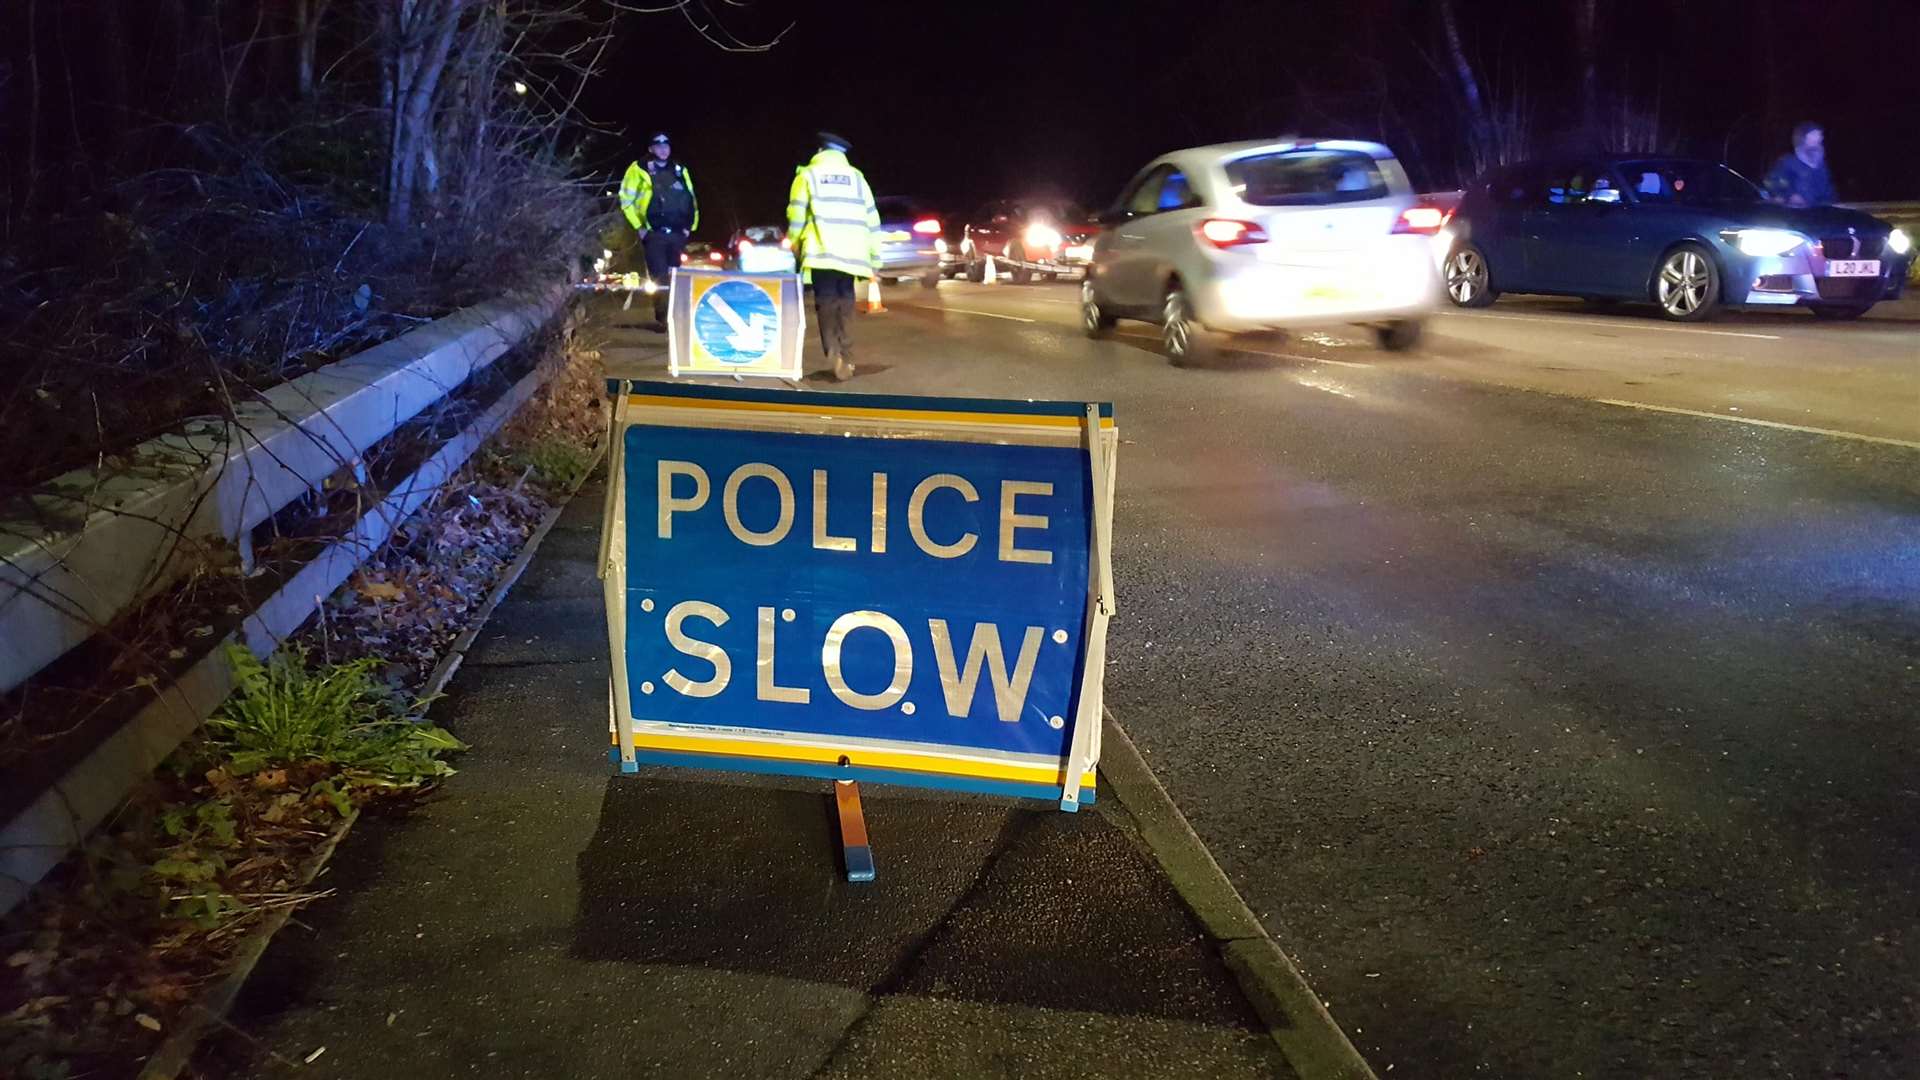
x=992 y=275
x=874 y=306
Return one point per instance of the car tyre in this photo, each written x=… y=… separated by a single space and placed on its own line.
x=1837 y=312
x=931 y=279
x=1182 y=337
x=977 y=271
x=1400 y=334
x=1094 y=318
x=1469 y=282
x=1686 y=284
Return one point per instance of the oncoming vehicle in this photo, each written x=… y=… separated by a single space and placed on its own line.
x=909 y=241
x=1047 y=238
x=762 y=249
x=1688 y=236
x=1262 y=236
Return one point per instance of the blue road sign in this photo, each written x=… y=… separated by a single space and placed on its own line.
x=736 y=322
x=908 y=590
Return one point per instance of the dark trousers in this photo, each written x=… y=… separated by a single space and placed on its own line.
x=663 y=248
x=833 y=306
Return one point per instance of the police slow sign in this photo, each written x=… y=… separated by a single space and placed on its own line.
x=904 y=590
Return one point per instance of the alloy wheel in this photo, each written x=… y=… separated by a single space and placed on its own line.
x=1176 y=326
x=1466 y=276
x=1683 y=283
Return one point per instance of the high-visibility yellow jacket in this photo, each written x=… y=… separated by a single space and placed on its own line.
x=636 y=198
x=831 y=218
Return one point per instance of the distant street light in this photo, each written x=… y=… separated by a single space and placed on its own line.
x=519 y=87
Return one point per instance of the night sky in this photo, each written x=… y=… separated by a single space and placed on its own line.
x=959 y=102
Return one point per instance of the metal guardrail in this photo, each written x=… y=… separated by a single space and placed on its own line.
x=97 y=541
x=220 y=484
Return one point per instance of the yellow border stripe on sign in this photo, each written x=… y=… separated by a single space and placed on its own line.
x=915 y=415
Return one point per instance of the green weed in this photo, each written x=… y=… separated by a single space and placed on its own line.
x=562 y=464
x=288 y=712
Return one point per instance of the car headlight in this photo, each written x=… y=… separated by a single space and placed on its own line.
x=940 y=245
x=1043 y=236
x=1899 y=242
x=1764 y=242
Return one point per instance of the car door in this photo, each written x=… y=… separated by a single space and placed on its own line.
x=1498 y=227
x=996 y=225
x=1126 y=261
x=1576 y=234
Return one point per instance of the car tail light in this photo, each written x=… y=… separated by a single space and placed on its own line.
x=717 y=255
x=1227 y=233
x=927 y=226
x=786 y=243
x=1421 y=220
x=744 y=244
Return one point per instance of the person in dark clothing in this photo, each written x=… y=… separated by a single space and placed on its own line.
x=1801 y=178
x=658 y=200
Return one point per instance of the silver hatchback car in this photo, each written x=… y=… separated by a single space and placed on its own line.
x=1261 y=236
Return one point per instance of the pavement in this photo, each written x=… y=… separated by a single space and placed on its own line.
x=1552 y=733
x=543 y=917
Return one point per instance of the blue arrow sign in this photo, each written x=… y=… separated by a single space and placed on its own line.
x=736 y=322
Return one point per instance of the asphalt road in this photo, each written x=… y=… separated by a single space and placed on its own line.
x=1555 y=733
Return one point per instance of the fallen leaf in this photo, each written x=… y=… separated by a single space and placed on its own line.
x=380 y=590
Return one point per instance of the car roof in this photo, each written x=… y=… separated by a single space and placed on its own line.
x=1217 y=151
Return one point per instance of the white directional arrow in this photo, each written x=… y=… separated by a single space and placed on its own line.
x=747 y=336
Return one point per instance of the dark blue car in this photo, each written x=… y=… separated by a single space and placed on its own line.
x=1689 y=236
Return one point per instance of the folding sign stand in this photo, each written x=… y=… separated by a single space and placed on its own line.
x=753 y=724
x=854 y=847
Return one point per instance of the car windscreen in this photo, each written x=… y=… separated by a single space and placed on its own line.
x=763 y=234
x=1686 y=183
x=1307 y=178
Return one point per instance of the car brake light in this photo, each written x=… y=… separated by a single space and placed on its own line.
x=927 y=226
x=786 y=243
x=1227 y=233
x=717 y=255
x=744 y=244
x=1421 y=220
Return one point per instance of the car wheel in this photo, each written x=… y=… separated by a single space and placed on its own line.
x=1687 y=284
x=1094 y=319
x=1400 y=334
x=1050 y=278
x=1469 y=282
x=977 y=271
x=1837 y=312
x=1020 y=274
x=1181 y=335
x=930 y=279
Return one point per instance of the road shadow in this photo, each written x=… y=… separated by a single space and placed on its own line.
x=973 y=901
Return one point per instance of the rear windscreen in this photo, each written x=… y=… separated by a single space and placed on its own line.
x=1307 y=178
x=894 y=208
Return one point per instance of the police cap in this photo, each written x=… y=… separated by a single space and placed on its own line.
x=834 y=142
x=658 y=138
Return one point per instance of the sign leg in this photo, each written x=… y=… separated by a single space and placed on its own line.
x=853 y=831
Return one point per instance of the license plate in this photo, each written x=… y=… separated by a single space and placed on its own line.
x=1853 y=267
x=1328 y=292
